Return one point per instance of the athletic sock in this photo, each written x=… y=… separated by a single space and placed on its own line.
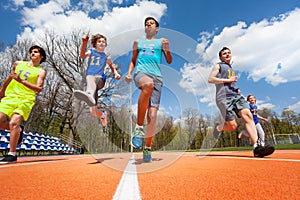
x=138 y=126
x=255 y=145
x=147 y=147
x=12 y=153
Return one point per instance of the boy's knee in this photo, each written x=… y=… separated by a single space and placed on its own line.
x=232 y=126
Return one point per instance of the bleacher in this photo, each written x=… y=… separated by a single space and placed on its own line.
x=36 y=144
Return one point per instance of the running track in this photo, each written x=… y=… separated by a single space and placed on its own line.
x=217 y=175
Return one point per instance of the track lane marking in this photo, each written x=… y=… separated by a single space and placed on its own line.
x=248 y=158
x=33 y=162
x=128 y=188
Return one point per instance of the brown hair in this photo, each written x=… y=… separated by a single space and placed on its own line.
x=96 y=37
x=248 y=97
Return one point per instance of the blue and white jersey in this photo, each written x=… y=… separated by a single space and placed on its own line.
x=253 y=109
x=96 y=63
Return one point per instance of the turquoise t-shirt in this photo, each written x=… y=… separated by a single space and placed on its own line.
x=149 y=57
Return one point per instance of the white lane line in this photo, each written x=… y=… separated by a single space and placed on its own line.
x=128 y=188
x=262 y=159
x=33 y=162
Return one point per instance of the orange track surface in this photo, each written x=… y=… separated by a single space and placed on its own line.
x=218 y=175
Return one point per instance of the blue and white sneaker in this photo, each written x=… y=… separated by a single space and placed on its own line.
x=137 y=137
x=147 y=155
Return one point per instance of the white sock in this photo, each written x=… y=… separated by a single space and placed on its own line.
x=138 y=126
x=12 y=153
x=147 y=147
x=255 y=145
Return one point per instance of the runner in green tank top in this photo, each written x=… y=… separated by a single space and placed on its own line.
x=18 y=94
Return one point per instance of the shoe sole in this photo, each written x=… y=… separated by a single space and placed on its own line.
x=4 y=163
x=83 y=97
x=137 y=147
x=268 y=151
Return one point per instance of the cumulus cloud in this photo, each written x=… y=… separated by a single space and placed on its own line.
x=62 y=16
x=295 y=107
x=267 y=49
x=264 y=50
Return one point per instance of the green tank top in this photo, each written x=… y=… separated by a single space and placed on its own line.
x=28 y=73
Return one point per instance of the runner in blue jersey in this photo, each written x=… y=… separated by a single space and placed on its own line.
x=232 y=104
x=146 y=60
x=95 y=77
x=256 y=117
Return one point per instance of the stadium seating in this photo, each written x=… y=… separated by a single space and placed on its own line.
x=36 y=144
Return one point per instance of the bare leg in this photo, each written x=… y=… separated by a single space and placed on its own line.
x=143 y=101
x=4 y=121
x=14 y=126
x=249 y=124
x=151 y=125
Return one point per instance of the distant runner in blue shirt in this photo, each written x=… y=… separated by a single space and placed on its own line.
x=256 y=117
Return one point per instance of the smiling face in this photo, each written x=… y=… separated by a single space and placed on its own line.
x=100 y=44
x=251 y=99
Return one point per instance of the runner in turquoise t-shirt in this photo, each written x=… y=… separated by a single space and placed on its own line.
x=146 y=59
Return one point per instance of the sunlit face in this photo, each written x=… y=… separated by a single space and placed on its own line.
x=100 y=43
x=226 y=56
x=150 y=26
x=35 y=55
x=252 y=99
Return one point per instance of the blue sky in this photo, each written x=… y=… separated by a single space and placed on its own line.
x=263 y=36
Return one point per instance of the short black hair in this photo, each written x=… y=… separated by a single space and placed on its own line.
x=223 y=49
x=41 y=51
x=149 y=18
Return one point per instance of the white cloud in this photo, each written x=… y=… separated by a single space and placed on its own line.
x=260 y=48
x=61 y=16
x=295 y=107
x=19 y=3
x=268 y=50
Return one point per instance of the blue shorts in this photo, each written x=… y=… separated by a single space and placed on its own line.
x=230 y=106
x=154 y=100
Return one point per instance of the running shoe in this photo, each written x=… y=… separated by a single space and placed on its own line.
x=86 y=97
x=103 y=118
x=137 y=137
x=147 y=155
x=262 y=151
x=8 y=159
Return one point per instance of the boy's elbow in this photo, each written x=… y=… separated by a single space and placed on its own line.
x=210 y=80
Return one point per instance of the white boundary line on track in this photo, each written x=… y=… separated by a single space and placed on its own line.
x=34 y=162
x=262 y=159
x=128 y=188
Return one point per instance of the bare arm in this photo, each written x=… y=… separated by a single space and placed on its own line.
x=112 y=68
x=83 y=53
x=215 y=80
x=262 y=118
x=166 y=49
x=132 y=63
x=7 y=80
